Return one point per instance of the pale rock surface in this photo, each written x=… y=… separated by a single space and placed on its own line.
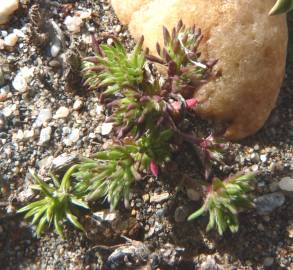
x=106 y=128
x=286 y=184
x=11 y=40
x=44 y=116
x=250 y=46
x=62 y=112
x=73 y=23
x=23 y=78
x=45 y=135
x=7 y=8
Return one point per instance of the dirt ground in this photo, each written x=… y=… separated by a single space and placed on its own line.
x=153 y=233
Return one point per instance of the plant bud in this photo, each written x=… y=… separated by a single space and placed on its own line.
x=154 y=168
x=190 y=103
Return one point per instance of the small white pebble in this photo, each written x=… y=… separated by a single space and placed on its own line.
x=44 y=116
x=73 y=24
x=117 y=28
x=4 y=33
x=110 y=41
x=106 y=128
x=55 y=49
x=286 y=184
x=11 y=40
x=45 y=135
x=99 y=109
x=77 y=104
x=62 y=112
x=85 y=15
x=19 y=33
x=23 y=78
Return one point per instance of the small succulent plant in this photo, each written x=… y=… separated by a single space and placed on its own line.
x=149 y=115
x=112 y=172
x=282 y=6
x=56 y=203
x=223 y=201
x=112 y=67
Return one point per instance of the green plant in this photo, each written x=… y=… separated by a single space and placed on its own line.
x=282 y=6
x=55 y=204
x=112 y=172
x=149 y=114
x=114 y=68
x=223 y=201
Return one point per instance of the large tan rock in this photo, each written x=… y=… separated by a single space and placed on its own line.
x=7 y=7
x=250 y=45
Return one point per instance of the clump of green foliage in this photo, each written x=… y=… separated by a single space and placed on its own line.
x=56 y=204
x=149 y=116
x=223 y=201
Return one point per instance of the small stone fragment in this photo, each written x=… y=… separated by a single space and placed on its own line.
x=62 y=112
x=11 y=40
x=268 y=261
x=105 y=216
x=286 y=184
x=85 y=15
x=9 y=110
x=45 y=135
x=7 y=8
x=269 y=202
x=158 y=198
x=99 y=109
x=63 y=162
x=73 y=24
x=45 y=163
x=28 y=134
x=77 y=105
x=193 y=194
x=210 y=264
x=72 y=137
x=44 y=116
x=23 y=78
x=106 y=128
x=25 y=195
x=55 y=49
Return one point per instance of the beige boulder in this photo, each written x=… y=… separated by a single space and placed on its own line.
x=250 y=45
x=7 y=7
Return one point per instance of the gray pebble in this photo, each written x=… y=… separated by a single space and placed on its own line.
x=269 y=202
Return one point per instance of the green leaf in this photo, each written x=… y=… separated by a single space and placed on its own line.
x=32 y=205
x=38 y=215
x=50 y=211
x=212 y=221
x=197 y=214
x=65 y=184
x=55 y=180
x=41 y=226
x=58 y=227
x=73 y=220
x=281 y=6
x=79 y=203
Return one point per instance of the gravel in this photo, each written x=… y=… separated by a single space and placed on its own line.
x=48 y=120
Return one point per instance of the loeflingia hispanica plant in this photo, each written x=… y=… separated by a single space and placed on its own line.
x=56 y=203
x=148 y=114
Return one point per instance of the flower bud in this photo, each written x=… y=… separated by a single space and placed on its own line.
x=190 y=103
x=154 y=168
